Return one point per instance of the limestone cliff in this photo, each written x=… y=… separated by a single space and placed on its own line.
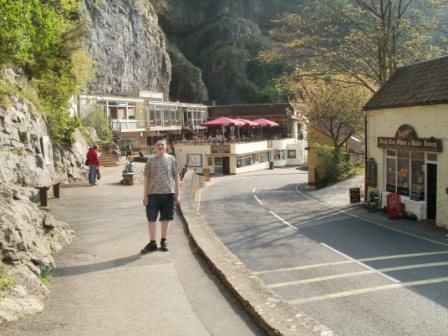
x=128 y=46
x=222 y=39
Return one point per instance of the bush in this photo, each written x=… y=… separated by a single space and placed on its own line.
x=334 y=165
x=43 y=38
x=99 y=121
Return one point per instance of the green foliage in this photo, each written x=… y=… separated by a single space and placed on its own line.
x=45 y=274
x=365 y=40
x=97 y=120
x=228 y=49
x=271 y=94
x=334 y=165
x=333 y=108
x=18 y=151
x=43 y=37
x=6 y=281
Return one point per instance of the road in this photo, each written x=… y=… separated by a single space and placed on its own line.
x=355 y=272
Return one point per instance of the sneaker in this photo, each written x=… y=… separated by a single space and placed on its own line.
x=151 y=246
x=164 y=245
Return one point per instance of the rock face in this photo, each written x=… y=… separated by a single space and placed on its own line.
x=223 y=39
x=28 y=235
x=186 y=80
x=128 y=46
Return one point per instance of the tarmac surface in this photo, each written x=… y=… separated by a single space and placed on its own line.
x=103 y=285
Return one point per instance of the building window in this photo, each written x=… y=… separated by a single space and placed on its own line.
x=405 y=173
x=292 y=154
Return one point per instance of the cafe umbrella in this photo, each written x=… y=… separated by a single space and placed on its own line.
x=223 y=121
x=262 y=122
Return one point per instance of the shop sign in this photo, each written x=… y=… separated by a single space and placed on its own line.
x=406 y=138
x=218 y=149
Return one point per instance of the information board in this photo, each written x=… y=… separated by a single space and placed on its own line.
x=355 y=195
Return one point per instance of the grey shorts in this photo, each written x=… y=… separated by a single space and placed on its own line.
x=160 y=203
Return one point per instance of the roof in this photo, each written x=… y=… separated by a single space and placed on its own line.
x=424 y=83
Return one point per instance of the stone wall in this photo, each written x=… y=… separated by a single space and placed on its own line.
x=28 y=235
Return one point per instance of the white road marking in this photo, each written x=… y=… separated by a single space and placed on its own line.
x=348 y=275
x=361 y=264
x=397 y=256
x=368 y=220
x=298 y=268
x=282 y=220
x=256 y=198
x=366 y=290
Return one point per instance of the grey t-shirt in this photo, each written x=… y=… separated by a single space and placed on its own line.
x=161 y=172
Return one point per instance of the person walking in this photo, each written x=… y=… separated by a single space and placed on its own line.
x=161 y=191
x=93 y=160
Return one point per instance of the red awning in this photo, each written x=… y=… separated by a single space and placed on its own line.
x=223 y=121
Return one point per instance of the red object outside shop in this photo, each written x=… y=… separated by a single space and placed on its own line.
x=394 y=205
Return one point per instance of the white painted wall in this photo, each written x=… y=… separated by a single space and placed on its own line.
x=427 y=121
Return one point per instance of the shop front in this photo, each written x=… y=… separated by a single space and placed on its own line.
x=406 y=140
x=409 y=168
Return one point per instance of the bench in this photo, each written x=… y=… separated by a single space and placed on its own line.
x=128 y=179
x=43 y=191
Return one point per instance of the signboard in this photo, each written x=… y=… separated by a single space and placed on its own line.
x=406 y=138
x=372 y=173
x=355 y=195
x=220 y=148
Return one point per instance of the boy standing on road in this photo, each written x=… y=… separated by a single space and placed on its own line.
x=161 y=191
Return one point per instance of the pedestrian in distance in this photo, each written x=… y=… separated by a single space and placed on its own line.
x=161 y=191
x=130 y=165
x=128 y=151
x=93 y=160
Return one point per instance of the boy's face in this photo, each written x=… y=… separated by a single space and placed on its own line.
x=160 y=146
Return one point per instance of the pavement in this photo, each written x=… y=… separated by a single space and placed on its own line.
x=103 y=285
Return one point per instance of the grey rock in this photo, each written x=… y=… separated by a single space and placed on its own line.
x=132 y=56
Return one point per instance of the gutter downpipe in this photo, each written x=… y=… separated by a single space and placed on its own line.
x=365 y=156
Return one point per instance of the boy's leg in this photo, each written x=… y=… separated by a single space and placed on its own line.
x=163 y=229
x=152 y=230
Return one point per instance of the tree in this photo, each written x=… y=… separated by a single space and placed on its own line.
x=334 y=108
x=364 y=40
x=43 y=38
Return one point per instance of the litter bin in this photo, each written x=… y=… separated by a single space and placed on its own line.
x=271 y=164
x=394 y=205
x=206 y=173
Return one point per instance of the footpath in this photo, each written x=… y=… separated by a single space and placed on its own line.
x=103 y=285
